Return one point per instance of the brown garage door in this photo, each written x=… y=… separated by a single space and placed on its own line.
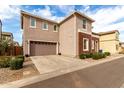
x=42 y=48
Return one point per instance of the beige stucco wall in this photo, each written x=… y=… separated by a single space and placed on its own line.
x=109 y=46
x=37 y=33
x=108 y=37
x=67 y=37
x=0 y=30
x=88 y=29
x=108 y=43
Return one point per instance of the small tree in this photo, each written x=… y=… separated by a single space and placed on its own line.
x=4 y=46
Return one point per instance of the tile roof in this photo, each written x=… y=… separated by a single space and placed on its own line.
x=108 y=32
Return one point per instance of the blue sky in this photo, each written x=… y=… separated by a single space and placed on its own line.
x=107 y=17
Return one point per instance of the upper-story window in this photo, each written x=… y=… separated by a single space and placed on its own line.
x=84 y=23
x=45 y=26
x=55 y=28
x=33 y=22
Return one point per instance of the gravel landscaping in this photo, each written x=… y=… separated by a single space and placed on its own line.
x=7 y=75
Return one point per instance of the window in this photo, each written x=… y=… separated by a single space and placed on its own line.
x=45 y=26
x=55 y=28
x=84 y=24
x=85 y=44
x=32 y=22
x=92 y=44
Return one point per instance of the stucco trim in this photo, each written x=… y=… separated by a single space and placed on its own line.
x=95 y=36
x=28 y=47
x=109 y=40
x=83 y=31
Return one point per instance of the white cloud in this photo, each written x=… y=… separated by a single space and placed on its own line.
x=8 y=11
x=84 y=8
x=66 y=8
x=105 y=18
x=46 y=13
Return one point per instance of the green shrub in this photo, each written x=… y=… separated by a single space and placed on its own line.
x=16 y=63
x=97 y=56
x=82 y=56
x=107 y=53
x=21 y=56
x=4 y=62
x=103 y=55
x=88 y=55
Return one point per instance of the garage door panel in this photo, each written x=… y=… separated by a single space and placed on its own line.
x=42 y=48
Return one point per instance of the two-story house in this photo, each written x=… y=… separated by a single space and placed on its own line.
x=7 y=36
x=0 y=30
x=72 y=36
x=109 y=41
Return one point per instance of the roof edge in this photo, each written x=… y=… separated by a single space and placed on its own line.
x=26 y=13
x=82 y=14
x=108 y=32
x=36 y=16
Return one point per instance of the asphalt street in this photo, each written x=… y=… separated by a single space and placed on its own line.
x=106 y=75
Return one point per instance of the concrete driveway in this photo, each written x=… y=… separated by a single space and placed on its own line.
x=47 y=64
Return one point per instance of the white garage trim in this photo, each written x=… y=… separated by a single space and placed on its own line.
x=28 y=47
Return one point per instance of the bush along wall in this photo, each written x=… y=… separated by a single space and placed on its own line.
x=16 y=63
x=107 y=53
x=95 y=56
x=12 y=62
x=84 y=56
x=4 y=62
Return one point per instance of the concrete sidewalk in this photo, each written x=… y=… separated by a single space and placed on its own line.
x=53 y=73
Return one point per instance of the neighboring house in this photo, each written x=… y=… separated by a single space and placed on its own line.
x=72 y=36
x=122 y=44
x=7 y=36
x=121 y=47
x=0 y=30
x=15 y=43
x=109 y=41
